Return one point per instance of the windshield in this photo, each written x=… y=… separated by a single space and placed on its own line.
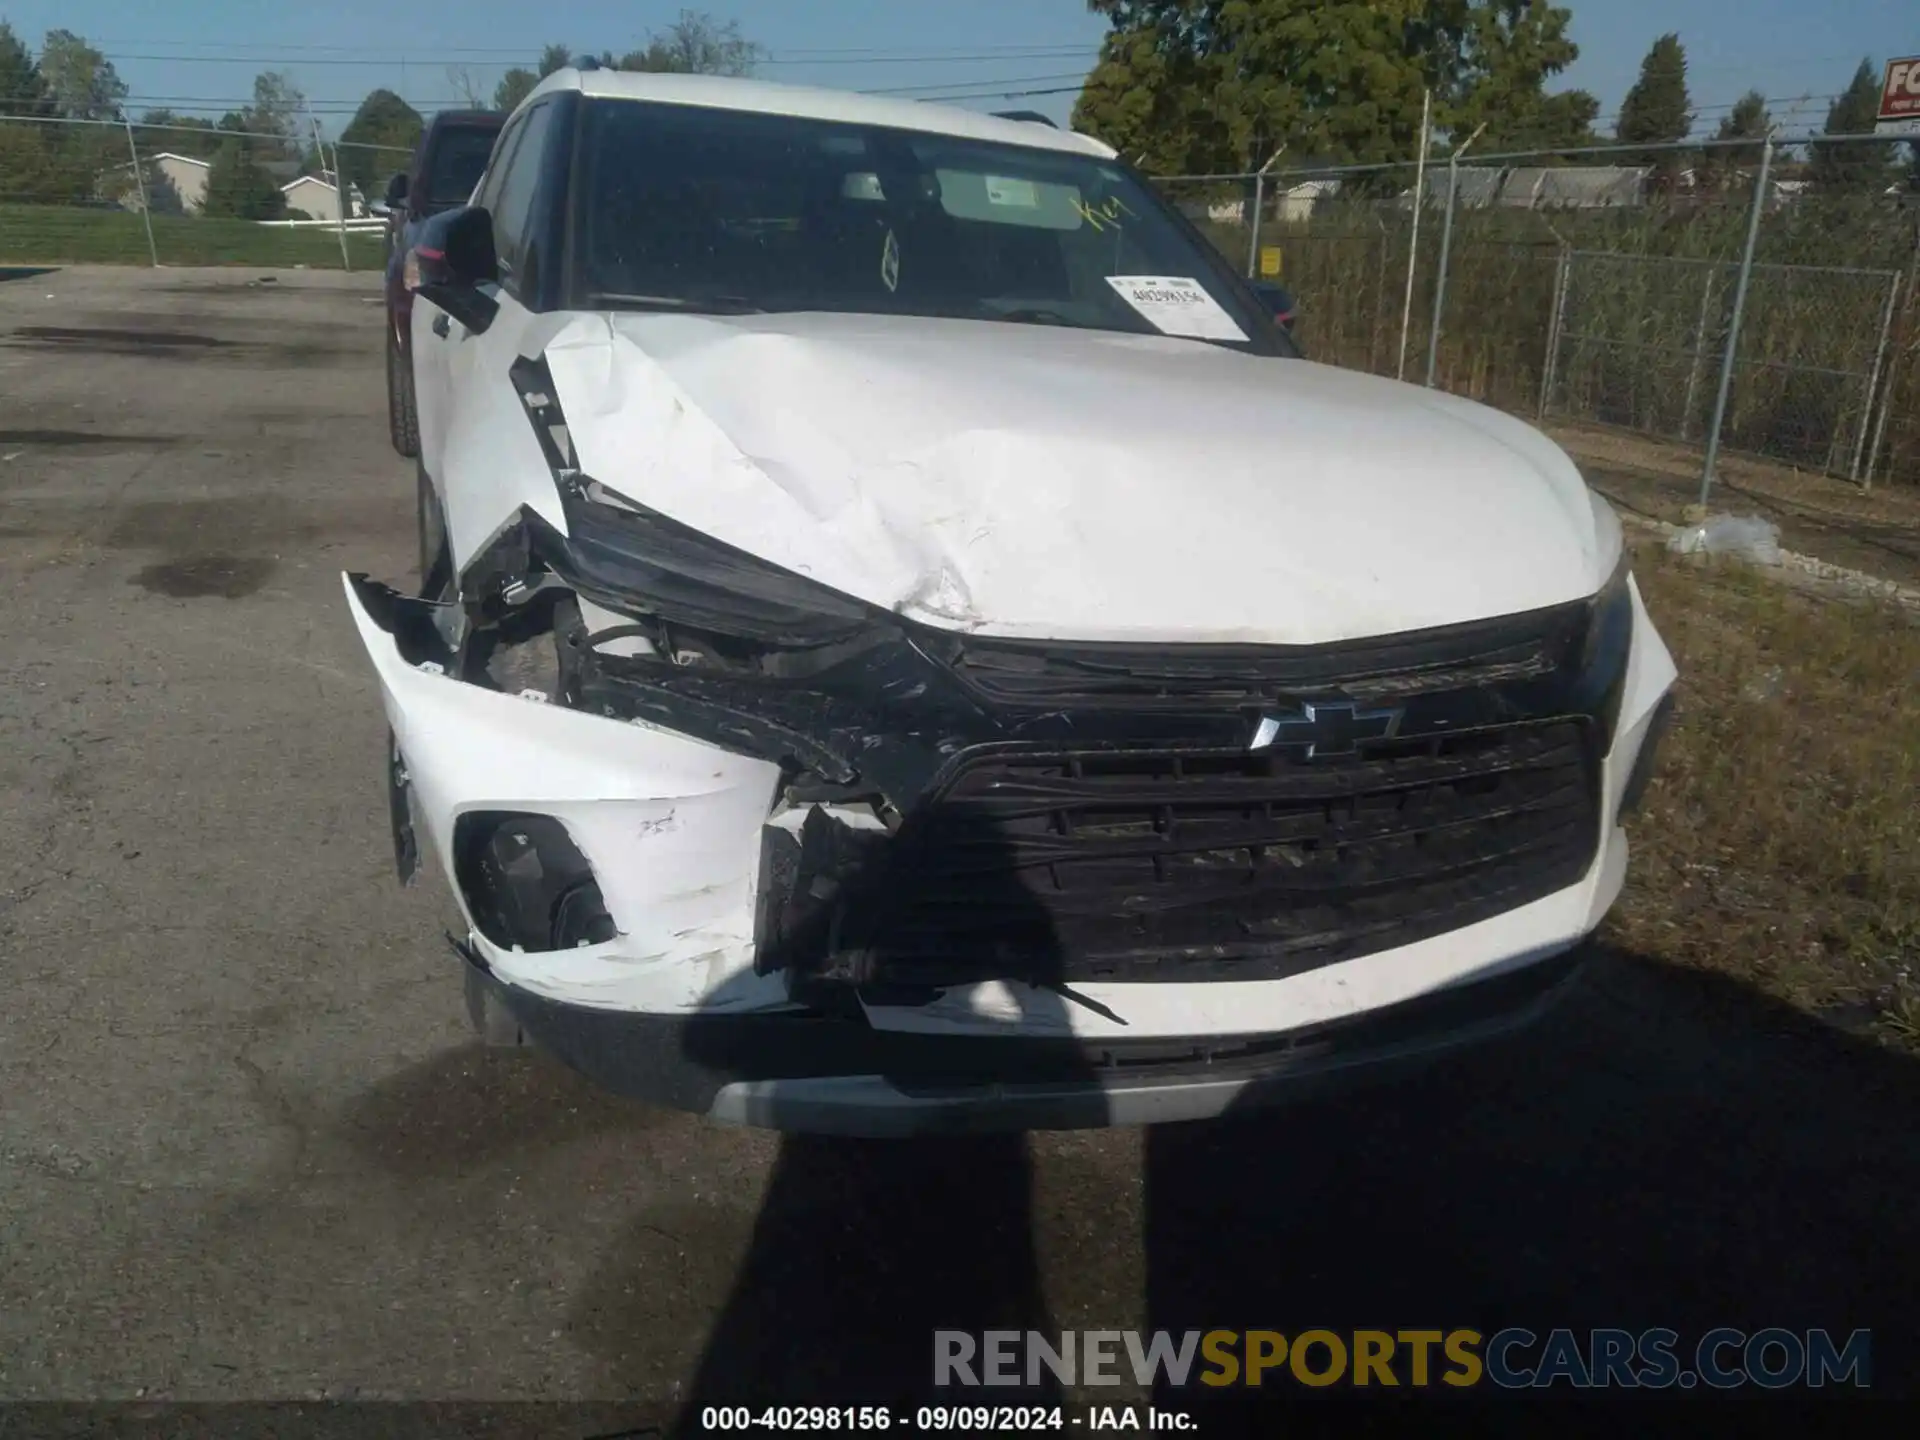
x=459 y=159
x=704 y=209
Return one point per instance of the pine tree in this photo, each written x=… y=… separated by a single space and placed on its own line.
x=1858 y=165
x=239 y=188
x=22 y=90
x=1723 y=165
x=1657 y=109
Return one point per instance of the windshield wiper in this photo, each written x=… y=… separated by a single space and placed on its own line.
x=694 y=304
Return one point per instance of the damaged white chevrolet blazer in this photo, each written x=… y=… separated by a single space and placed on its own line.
x=906 y=643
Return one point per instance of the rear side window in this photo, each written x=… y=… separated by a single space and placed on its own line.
x=458 y=161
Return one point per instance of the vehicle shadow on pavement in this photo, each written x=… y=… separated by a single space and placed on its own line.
x=1666 y=1149
x=862 y=1249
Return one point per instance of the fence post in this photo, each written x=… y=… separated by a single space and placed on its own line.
x=1446 y=250
x=1562 y=281
x=1873 y=382
x=140 y=179
x=1733 y=325
x=1413 y=241
x=339 y=192
x=1440 y=279
x=1253 y=227
x=1699 y=350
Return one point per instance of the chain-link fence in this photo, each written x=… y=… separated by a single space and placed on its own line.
x=1755 y=295
x=121 y=192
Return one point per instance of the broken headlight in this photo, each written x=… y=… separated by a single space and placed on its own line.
x=635 y=560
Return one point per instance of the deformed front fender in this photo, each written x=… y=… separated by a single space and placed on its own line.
x=671 y=826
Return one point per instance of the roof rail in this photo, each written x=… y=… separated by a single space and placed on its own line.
x=1031 y=116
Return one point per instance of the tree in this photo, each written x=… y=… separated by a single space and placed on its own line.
x=27 y=171
x=276 y=111
x=1748 y=121
x=1722 y=165
x=1497 y=72
x=383 y=119
x=696 y=44
x=1860 y=165
x=22 y=91
x=467 y=86
x=239 y=188
x=1202 y=85
x=514 y=87
x=81 y=82
x=182 y=134
x=1657 y=110
x=1211 y=85
x=518 y=82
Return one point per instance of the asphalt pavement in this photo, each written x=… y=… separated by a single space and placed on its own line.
x=248 y=1150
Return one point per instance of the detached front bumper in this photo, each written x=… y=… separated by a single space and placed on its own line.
x=814 y=1073
x=672 y=1003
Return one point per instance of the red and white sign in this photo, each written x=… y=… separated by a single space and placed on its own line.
x=1900 y=98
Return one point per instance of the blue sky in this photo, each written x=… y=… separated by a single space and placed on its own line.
x=207 y=51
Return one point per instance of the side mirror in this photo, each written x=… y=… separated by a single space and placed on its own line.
x=455 y=262
x=468 y=245
x=397 y=190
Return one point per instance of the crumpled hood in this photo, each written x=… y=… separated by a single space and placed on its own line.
x=1039 y=481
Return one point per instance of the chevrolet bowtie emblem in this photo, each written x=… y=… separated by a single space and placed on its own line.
x=1325 y=729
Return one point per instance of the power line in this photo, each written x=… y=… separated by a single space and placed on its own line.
x=796 y=55
x=972 y=84
x=521 y=59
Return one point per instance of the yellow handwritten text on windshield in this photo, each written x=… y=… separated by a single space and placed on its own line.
x=1103 y=213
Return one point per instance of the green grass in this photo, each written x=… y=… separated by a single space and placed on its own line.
x=1780 y=840
x=51 y=234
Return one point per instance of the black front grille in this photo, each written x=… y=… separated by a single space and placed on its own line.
x=1204 y=865
x=1153 y=677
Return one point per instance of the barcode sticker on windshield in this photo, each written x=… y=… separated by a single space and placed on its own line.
x=1177 y=305
x=1003 y=190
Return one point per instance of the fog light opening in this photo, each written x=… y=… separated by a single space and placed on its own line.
x=526 y=884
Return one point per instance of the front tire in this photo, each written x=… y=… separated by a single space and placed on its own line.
x=403 y=418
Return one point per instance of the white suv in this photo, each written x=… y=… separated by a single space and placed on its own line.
x=907 y=644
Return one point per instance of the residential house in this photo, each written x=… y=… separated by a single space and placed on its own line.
x=175 y=184
x=1299 y=201
x=318 y=198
